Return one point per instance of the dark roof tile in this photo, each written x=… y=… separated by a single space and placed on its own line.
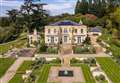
x=95 y=29
x=65 y=23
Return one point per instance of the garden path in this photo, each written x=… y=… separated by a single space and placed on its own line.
x=99 y=48
x=73 y=55
x=65 y=49
x=12 y=70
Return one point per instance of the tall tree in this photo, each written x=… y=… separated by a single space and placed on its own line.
x=13 y=14
x=81 y=7
x=77 y=7
x=97 y=7
x=33 y=14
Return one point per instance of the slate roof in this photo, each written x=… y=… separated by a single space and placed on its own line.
x=95 y=29
x=65 y=23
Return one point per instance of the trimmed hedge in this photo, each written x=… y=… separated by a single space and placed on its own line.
x=84 y=50
x=52 y=50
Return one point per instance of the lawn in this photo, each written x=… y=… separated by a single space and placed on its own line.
x=18 y=43
x=5 y=63
x=43 y=74
x=111 y=68
x=87 y=73
x=18 y=76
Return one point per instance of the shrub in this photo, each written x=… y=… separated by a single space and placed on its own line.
x=90 y=61
x=80 y=50
x=43 y=48
x=116 y=42
x=84 y=50
x=100 y=78
x=53 y=50
x=87 y=40
x=73 y=60
x=56 y=61
x=38 y=63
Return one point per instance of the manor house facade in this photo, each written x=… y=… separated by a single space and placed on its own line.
x=65 y=32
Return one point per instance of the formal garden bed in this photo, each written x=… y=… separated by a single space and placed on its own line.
x=5 y=63
x=39 y=71
x=48 y=50
x=86 y=71
x=84 y=49
x=92 y=72
x=111 y=68
x=89 y=61
x=22 y=70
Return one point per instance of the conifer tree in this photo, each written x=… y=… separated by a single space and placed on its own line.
x=77 y=7
x=84 y=7
x=96 y=7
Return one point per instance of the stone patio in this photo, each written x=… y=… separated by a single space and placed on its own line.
x=78 y=76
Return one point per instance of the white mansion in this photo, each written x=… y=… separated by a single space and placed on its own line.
x=65 y=32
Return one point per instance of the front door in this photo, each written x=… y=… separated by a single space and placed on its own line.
x=65 y=39
x=52 y=40
x=79 y=40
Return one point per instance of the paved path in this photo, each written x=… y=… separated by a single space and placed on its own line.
x=73 y=55
x=12 y=70
x=96 y=45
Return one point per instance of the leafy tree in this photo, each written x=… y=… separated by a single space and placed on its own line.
x=13 y=14
x=115 y=17
x=4 y=22
x=33 y=14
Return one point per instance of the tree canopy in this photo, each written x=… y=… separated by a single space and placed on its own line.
x=96 y=7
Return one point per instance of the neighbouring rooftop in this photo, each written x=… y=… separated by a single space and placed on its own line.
x=95 y=29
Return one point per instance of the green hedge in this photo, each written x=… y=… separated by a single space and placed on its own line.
x=55 y=61
x=84 y=50
x=52 y=50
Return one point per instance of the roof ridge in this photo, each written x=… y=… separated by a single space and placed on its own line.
x=65 y=23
